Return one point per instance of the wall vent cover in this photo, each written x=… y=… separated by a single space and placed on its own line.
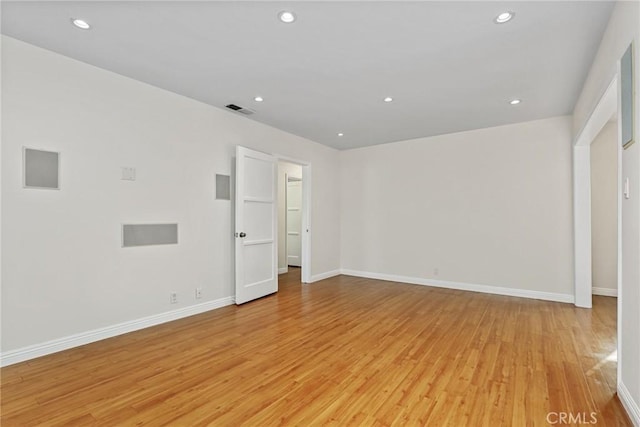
x=239 y=109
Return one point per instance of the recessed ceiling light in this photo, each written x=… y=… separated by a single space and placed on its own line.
x=388 y=99
x=287 y=17
x=515 y=102
x=340 y=134
x=79 y=23
x=258 y=99
x=504 y=17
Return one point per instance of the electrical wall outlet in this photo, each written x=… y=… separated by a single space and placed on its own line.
x=173 y=298
x=435 y=271
x=198 y=293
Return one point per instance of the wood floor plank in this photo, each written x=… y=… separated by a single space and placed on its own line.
x=344 y=351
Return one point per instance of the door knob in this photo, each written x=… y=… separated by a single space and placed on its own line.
x=243 y=234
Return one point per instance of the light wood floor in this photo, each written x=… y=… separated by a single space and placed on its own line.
x=345 y=351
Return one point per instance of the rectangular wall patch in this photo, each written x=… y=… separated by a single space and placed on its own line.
x=149 y=234
x=223 y=187
x=41 y=169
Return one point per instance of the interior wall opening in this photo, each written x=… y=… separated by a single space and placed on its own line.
x=290 y=218
x=604 y=210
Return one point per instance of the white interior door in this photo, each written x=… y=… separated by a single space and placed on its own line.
x=294 y=222
x=256 y=225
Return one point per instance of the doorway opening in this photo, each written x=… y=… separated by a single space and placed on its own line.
x=293 y=218
x=597 y=161
x=258 y=193
x=604 y=210
x=606 y=108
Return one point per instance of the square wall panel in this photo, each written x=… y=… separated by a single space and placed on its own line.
x=41 y=169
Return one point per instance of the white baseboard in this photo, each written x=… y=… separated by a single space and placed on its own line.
x=325 y=275
x=65 y=343
x=283 y=270
x=605 y=292
x=632 y=408
x=524 y=293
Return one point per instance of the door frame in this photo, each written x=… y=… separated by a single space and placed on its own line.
x=608 y=104
x=605 y=108
x=305 y=250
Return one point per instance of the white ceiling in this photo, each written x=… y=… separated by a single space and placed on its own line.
x=447 y=65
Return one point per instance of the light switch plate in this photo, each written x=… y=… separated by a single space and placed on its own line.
x=627 y=190
x=128 y=174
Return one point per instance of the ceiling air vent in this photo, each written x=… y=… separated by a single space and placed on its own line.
x=239 y=109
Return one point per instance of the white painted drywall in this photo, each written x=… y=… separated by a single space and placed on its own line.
x=623 y=28
x=489 y=207
x=63 y=269
x=284 y=169
x=604 y=208
x=1 y=179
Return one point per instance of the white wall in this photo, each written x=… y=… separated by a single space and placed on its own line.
x=284 y=169
x=623 y=28
x=63 y=270
x=1 y=184
x=604 y=209
x=489 y=207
